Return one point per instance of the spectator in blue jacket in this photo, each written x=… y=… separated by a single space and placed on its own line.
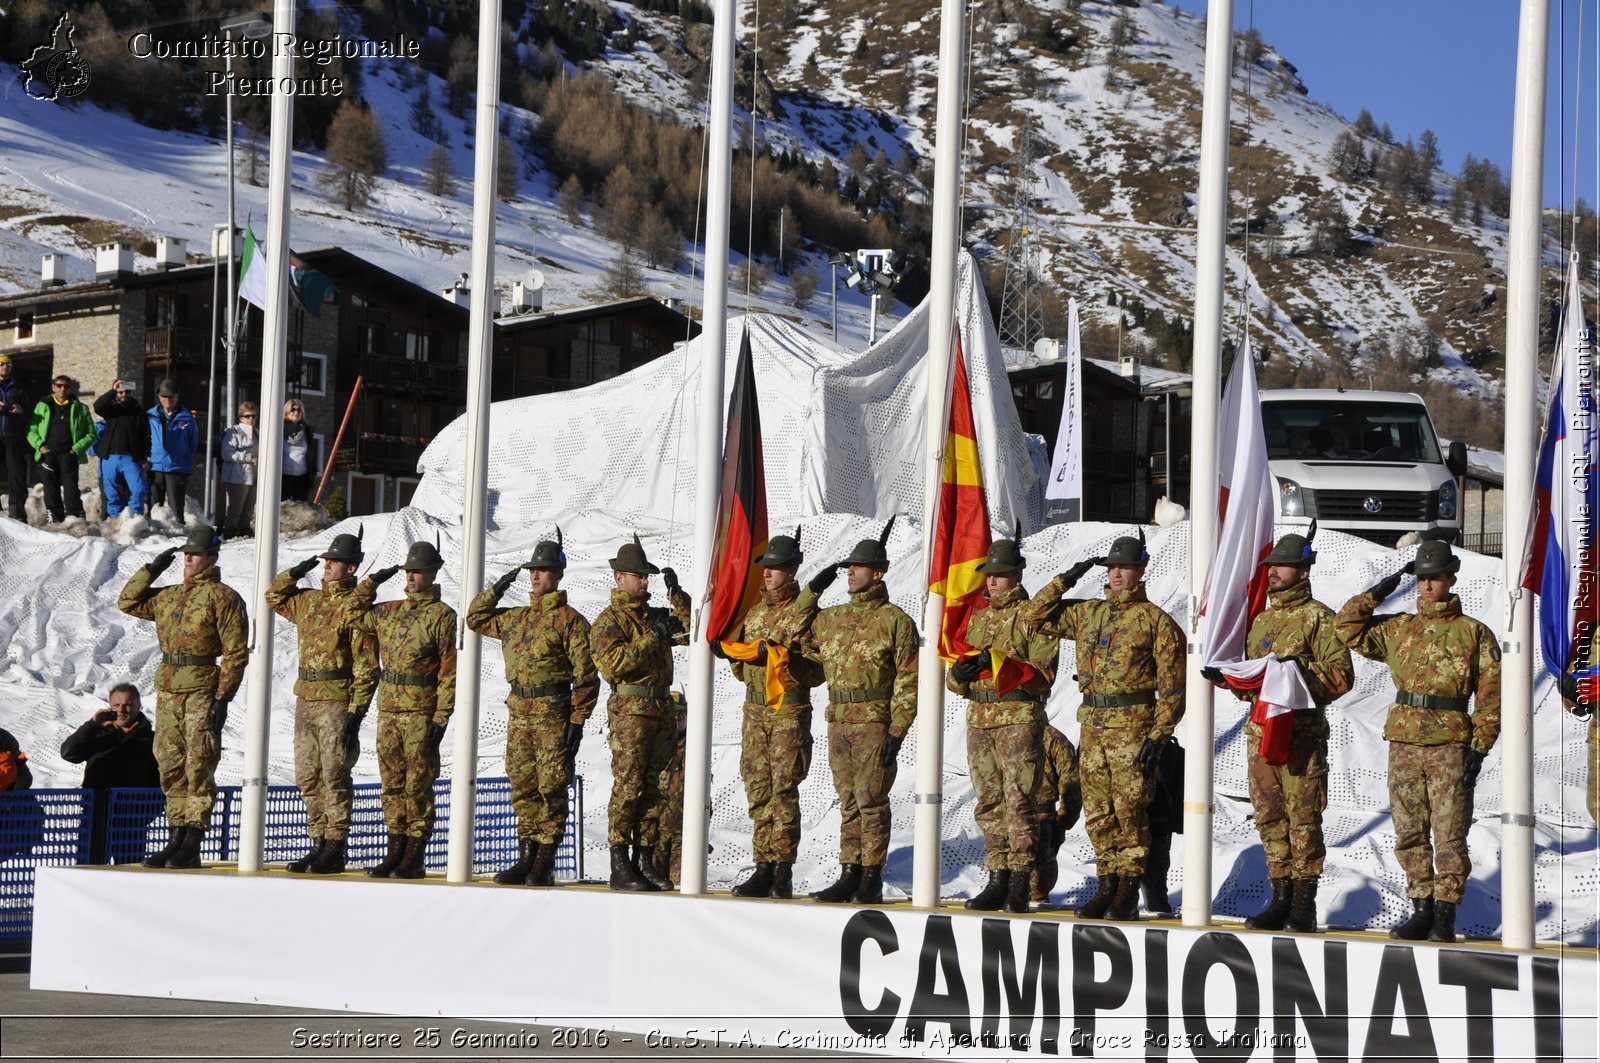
x=16 y=457
x=174 y=436
x=123 y=448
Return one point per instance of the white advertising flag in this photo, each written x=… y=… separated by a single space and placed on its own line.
x=1063 y=492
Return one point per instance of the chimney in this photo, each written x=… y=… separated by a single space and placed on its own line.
x=526 y=300
x=170 y=252
x=53 y=270
x=112 y=260
x=1128 y=366
x=459 y=293
x=672 y=302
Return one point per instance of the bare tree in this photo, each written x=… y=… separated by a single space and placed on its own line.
x=508 y=163
x=570 y=198
x=659 y=240
x=802 y=287
x=357 y=156
x=436 y=176
x=624 y=278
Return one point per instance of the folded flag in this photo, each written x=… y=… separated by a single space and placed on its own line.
x=1281 y=689
x=777 y=665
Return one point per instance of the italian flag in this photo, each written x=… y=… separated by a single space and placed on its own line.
x=253 y=269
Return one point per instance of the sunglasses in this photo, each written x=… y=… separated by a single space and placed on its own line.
x=58 y=385
x=247 y=417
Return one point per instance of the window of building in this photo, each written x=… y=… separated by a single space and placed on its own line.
x=419 y=346
x=405 y=487
x=363 y=494
x=313 y=374
x=369 y=340
x=24 y=326
x=166 y=308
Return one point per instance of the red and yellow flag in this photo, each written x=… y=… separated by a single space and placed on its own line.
x=961 y=535
x=742 y=509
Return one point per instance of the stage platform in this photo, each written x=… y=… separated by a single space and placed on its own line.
x=891 y=979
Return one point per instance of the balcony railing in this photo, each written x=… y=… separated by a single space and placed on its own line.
x=392 y=454
x=164 y=343
x=406 y=374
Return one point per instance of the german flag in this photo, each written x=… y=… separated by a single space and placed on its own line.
x=742 y=510
x=961 y=535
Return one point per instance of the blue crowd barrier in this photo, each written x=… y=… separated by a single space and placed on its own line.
x=52 y=828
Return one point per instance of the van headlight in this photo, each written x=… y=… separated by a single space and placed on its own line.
x=1290 y=502
x=1447 y=500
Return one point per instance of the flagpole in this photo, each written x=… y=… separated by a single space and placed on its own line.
x=269 y=454
x=946 y=225
x=1210 y=276
x=1521 y=446
x=480 y=368
x=708 y=466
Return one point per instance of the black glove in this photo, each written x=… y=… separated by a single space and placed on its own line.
x=1214 y=675
x=217 y=715
x=1385 y=587
x=761 y=654
x=435 y=734
x=1076 y=572
x=664 y=624
x=1471 y=764
x=352 y=728
x=570 y=740
x=504 y=583
x=162 y=561
x=382 y=574
x=890 y=749
x=823 y=580
x=717 y=651
x=670 y=577
x=1567 y=686
x=967 y=669
x=299 y=569
x=1149 y=756
x=1409 y=568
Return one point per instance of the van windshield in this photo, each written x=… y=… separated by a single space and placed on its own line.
x=1349 y=431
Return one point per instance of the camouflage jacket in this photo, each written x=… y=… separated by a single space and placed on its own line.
x=416 y=640
x=200 y=617
x=1438 y=651
x=868 y=644
x=1126 y=645
x=328 y=641
x=1001 y=625
x=1060 y=796
x=545 y=641
x=1294 y=624
x=781 y=617
x=628 y=651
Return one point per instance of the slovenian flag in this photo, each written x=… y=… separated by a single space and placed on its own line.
x=961 y=534
x=1560 y=560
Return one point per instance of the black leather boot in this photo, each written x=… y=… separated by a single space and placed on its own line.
x=333 y=858
x=759 y=884
x=542 y=871
x=385 y=867
x=517 y=873
x=870 y=891
x=1017 y=897
x=1303 y=910
x=1124 y=905
x=188 y=853
x=648 y=871
x=1044 y=880
x=624 y=876
x=992 y=897
x=1276 y=913
x=1421 y=922
x=410 y=865
x=1096 y=906
x=843 y=888
x=1444 y=922
x=782 y=881
x=160 y=857
x=302 y=865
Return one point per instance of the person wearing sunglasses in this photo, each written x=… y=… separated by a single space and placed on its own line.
x=239 y=473
x=61 y=434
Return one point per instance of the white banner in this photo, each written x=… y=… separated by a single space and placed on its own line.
x=1063 y=491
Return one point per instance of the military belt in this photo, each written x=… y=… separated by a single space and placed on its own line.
x=1431 y=701
x=400 y=679
x=184 y=660
x=637 y=690
x=543 y=690
x=986 y=696
x=310 y=676
x=790 y=697
x=857 y=697
x=1115 y=701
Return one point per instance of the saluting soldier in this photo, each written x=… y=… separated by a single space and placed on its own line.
x=1130 y=669
x=868 y=651
x=1582 y=696
x=197 y=622
x=1005 y=732
x=1441 y=659
x=1289 y=798
x=633 y=650
x=554 y=687
x=338 y=674
x=775 y=744
x=416 y=695
x=1060 y=802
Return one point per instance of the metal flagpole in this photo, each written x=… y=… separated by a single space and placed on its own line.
x=708 y=462
x=946 y=224
x=211 y=376
x=1521 y=445
x=269 y=454
x=480 y=367
x=1210 y=250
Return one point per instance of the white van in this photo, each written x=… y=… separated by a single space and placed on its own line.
x=1365 y=462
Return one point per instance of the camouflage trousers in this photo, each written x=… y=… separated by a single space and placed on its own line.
x=1116 y=799
x=187 y=752
x=1432 y=811
x=863 y=785
x=1004 y=765
x=1289 y=800
x=669 y=832
x=322 y=763
x=408 y=764
x=641 y=747
x=774 y=758
x=539 y=768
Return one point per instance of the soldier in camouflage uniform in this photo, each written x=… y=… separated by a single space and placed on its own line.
x=1289 y=799
x=1581 y=697
x=1131 y=671
x=1059 y=801
x=338 y=673
x=554 y=687
x=1441 y=659
x=1005 y=732
x=668 y=861
x=868 y=652
x=416 y=695
x=633 y=650
x=196 y=623
x=775 y=745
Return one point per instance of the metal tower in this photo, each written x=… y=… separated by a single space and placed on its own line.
x=1021 y=309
